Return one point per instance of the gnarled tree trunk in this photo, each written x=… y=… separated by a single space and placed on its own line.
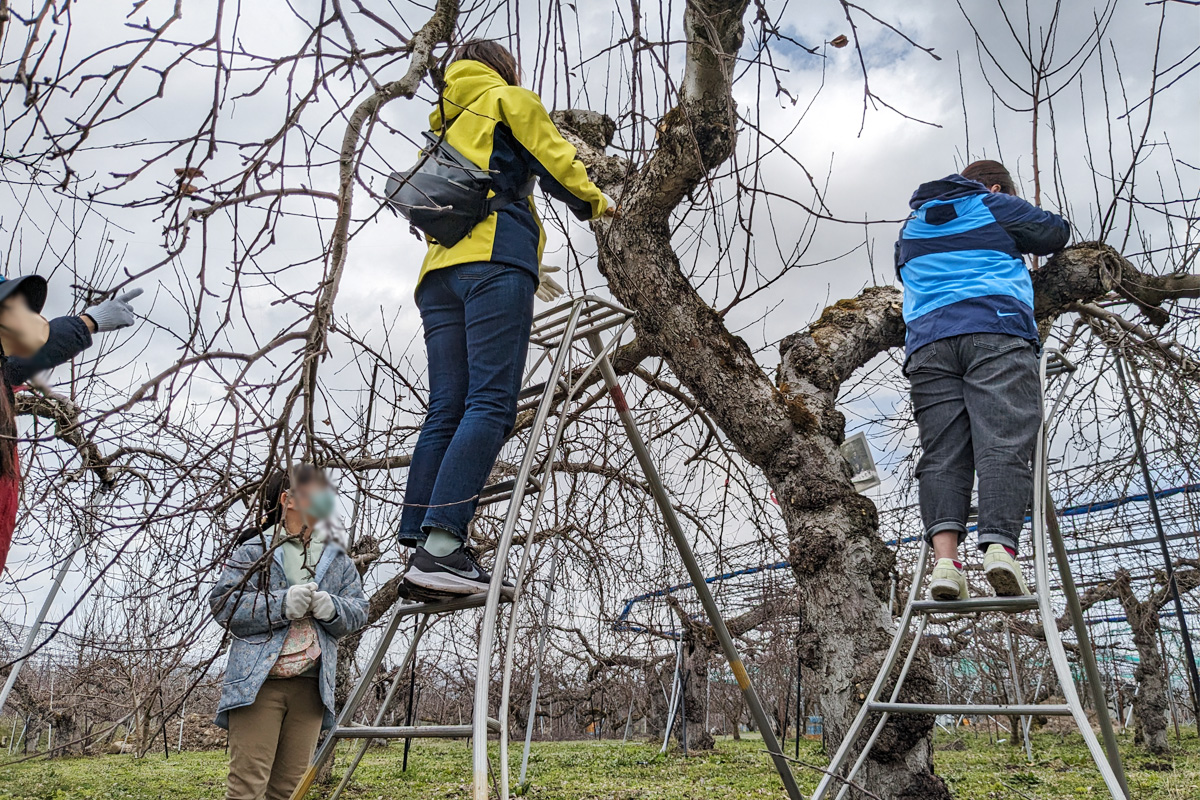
x=792 y=430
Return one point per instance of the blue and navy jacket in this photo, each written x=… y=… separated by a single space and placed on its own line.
x=959 y=257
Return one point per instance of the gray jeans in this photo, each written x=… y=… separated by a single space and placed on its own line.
x=977 y=399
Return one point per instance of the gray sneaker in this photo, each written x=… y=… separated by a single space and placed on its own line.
x=457 y=573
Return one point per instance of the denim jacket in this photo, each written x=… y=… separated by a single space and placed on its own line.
x=251 y=608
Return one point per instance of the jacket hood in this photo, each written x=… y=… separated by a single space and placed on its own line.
x=466 y=82
x=951 y=187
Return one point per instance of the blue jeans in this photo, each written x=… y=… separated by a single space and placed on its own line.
x=477 y=319
x=977 y=399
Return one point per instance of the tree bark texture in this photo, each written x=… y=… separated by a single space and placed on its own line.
x=791 y=429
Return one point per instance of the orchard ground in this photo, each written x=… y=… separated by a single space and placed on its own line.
x=974 y=766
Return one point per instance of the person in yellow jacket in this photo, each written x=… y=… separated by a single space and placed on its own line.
x=476 y=304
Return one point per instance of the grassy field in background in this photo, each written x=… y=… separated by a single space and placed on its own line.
x=613 y=771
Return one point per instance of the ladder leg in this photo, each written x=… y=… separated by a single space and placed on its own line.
x=1091 y=671
x=695 y=573
x=1016 y=685
x=487 y=629
x=1046 y=533
x=325 y=751
x=571 y=389
x=409 y=655
x=885 y=669
x=883 y=718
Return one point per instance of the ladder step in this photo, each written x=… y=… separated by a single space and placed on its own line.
x=531 y=396
x=448 y=604
x=1057 y=364
x=970 y=710
x=597 y=315
x=499 y=492
x=412 y=731
x=1008 y=605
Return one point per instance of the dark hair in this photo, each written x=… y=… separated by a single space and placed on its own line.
x=279 y=482
x=494 y=55
x=990 y=173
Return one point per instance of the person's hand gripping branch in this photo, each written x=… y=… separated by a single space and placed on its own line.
x=112 y=314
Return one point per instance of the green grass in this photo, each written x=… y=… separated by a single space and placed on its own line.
x=613 y=771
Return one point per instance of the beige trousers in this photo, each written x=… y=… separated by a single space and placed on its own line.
x=272 y=740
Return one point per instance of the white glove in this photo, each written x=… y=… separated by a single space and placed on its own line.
x=549 y=289
x=298 y=600
x=322 y=606
x=612 y=212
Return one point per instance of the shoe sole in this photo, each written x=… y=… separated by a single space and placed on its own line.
x=444 y=582
x=1004 y=581
x=943 y=590
x=417 y=594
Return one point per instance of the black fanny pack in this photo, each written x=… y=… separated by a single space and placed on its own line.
x=444 y=195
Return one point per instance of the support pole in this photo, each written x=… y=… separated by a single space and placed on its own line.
x=799 y=705
x=673 y=701
x=182 y=717
x=628 y=718
x=1135 y=426
x=31 y=637
x=408 y=717
x=683 y=711
x=695 y=572
x=537 y=669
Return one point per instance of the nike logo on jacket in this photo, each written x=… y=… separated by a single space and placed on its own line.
x=959 y=257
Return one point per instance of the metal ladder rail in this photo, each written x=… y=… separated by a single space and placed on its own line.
x=345 y=719
x=695 y=573
x=1113 y=777
x=480 y=789
x=572 y=388
x=345 y=727
x=1045 y=526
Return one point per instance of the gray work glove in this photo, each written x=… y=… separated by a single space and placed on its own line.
x=112 y=315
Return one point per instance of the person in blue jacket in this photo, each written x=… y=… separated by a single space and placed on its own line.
x=972 y=362
x=286 y=595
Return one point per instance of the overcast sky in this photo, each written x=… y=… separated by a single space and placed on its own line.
x=865 y=174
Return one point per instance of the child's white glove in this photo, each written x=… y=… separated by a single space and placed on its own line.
x=298 y=600
x=323 y=607
x=549 y=289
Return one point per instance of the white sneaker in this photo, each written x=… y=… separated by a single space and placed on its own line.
x=1003 y=572
x=948 y=582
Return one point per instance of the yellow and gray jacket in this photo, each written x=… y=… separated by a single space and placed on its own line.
x=506 y=130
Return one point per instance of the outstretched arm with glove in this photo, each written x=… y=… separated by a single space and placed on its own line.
x=70 y=336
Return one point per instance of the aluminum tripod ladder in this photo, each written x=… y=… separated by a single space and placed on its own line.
x=1046 y=534
x=570 y=344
